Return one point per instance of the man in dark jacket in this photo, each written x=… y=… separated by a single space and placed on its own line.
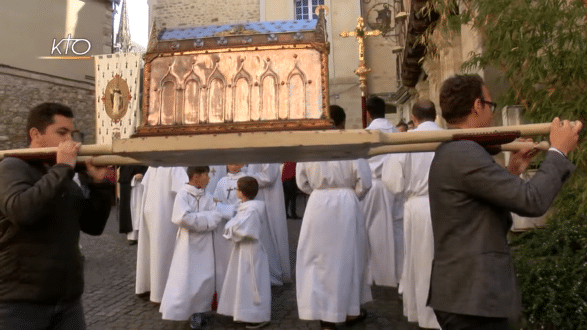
x=473 y=283
x=42 y=210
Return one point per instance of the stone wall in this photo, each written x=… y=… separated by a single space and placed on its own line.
x=21 y=90
x=179 y=13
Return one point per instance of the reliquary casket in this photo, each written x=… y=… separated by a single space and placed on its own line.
x=260 y=76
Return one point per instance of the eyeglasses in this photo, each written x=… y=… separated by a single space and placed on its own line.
x=492 y=105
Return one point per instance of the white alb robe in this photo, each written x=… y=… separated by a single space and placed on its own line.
x=407 y=174
x=195 y=272
x=136 y=197
x=225 y=191
x=157 y=233
x=332 y=249
x=246 y=293
x=378 y=207
x=271 y=192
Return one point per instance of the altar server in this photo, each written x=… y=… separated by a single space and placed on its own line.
x=129 y=188
x=379 y=207
x=157 y=232
x=136 y=203
x=225 y=190
x=407 y=174
x=271 y=192
x=196 y=274
x=246 y=293
x=332 y=248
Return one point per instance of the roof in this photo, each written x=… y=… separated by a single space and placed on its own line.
x=238 y=29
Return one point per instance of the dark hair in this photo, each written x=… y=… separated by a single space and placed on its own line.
x=337 y=115
x=248 y=186
x=192 y=170
x=43 y=115
x=457 y=96
x=402 y=124
x=376 y=107
x=424 y=110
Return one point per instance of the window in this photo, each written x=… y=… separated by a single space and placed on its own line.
x=305 y=9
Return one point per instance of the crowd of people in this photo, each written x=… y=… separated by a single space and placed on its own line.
x=214 y=238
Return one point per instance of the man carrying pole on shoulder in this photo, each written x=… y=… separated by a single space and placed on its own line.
x=42 y=210
x=473 y=283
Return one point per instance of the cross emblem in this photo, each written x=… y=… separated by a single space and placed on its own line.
x=360 y=34
x=229 y=190
x=213 y=171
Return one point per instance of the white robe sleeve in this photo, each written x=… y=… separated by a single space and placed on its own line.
x=225 y=210
x=219 y=191
x=363 y=177
x=302 y=178
x=267 y=176
x=243 y=225
x=186 y=217
x=393 y=173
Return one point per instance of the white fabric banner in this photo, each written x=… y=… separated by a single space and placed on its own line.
x=118 y=81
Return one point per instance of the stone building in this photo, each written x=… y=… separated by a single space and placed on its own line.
x=33 y=29
x=421 y=76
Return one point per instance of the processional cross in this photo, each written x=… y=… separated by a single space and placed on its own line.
x=362 y=71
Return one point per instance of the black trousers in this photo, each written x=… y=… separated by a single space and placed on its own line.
x=451 y=321
x=290 y=190
x=22 y=315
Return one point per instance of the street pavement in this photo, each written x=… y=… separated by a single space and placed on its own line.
x=110 y=302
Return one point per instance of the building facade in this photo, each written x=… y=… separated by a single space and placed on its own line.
x=33 y=29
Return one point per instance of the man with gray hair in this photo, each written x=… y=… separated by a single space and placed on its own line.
x=407 y=175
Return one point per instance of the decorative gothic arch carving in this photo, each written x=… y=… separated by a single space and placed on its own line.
x=191 y=98
x=268 y=91
x=167 y=99
x=241 y=88
x=216 y=95
x=296 y=92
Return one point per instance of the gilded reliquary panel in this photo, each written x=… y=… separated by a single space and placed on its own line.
x=236 y=86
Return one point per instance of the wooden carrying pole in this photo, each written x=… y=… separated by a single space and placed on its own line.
x=357 y=144
x=84 y=150
x=450 y=134
x=431 y=146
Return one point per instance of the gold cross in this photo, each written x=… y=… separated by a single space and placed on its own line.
x=360 y=34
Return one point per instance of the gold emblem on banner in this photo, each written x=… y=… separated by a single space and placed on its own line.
x=116 y=98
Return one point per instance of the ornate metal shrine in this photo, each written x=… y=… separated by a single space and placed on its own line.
x=259 y=76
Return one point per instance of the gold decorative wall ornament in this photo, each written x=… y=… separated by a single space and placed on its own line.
x=236 y=30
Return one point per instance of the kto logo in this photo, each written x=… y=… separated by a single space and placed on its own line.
x=78 y=46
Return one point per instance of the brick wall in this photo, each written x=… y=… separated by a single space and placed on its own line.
x=179 y=13
x=21 y=90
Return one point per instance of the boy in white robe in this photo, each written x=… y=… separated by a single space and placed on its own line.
x=196 y=275
x=332 y=249
x=157 y=233
x=246 y=293
x=271 y=192
x=225 y=191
